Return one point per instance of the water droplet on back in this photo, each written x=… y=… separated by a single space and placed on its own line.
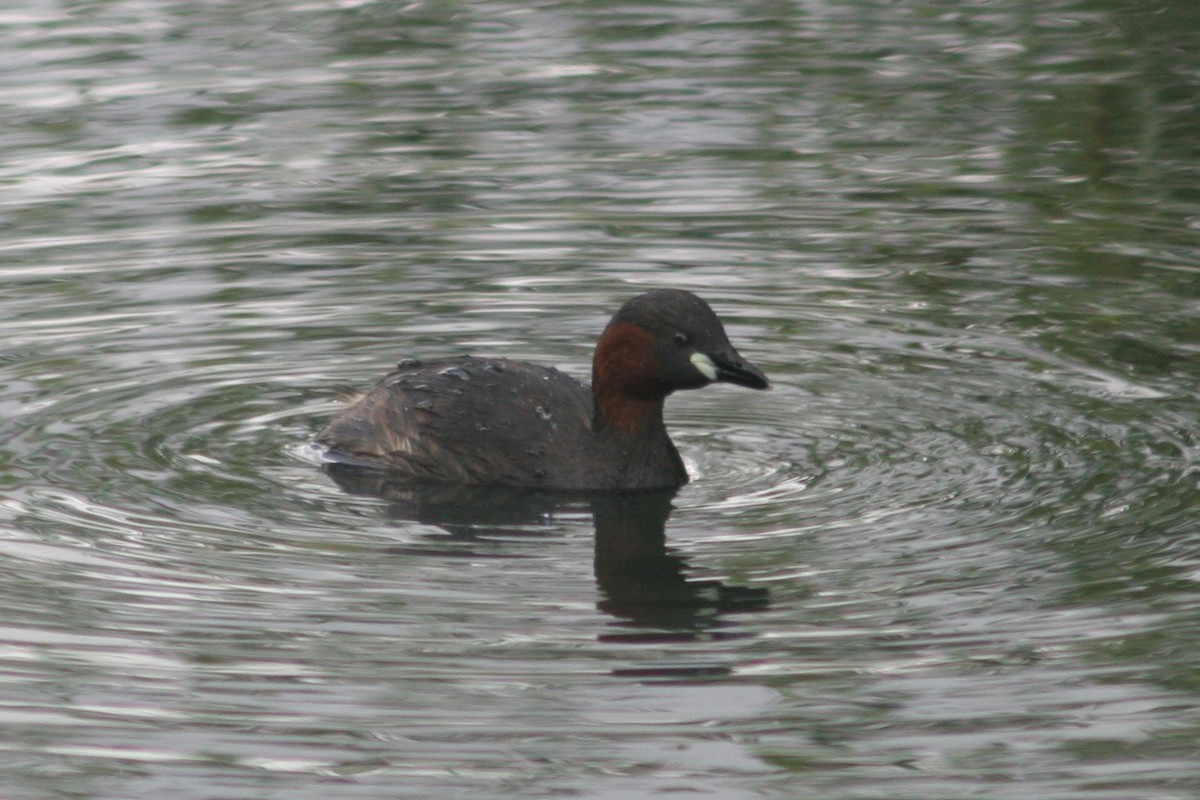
x=456 y=372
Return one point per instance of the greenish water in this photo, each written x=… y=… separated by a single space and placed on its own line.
x=952 y=554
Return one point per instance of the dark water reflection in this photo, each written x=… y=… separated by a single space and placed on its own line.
x=961 y=238
x=643 y=583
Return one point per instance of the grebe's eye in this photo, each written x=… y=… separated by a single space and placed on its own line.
x=682 y=339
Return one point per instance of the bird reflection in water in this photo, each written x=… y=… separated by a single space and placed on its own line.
x=644 y=585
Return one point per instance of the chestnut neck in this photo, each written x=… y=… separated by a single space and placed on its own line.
x=627 y=394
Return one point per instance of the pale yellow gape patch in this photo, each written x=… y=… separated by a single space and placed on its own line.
x=705 y=364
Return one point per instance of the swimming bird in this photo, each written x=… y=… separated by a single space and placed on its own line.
x=500 y=422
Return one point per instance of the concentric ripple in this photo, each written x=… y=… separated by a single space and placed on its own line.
x=952 y=553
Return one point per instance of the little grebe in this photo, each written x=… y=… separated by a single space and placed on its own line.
x=491 y=421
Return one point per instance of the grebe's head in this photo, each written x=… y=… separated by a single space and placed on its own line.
x=665 y=340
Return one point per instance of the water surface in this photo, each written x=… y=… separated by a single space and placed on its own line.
x=952 y=554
